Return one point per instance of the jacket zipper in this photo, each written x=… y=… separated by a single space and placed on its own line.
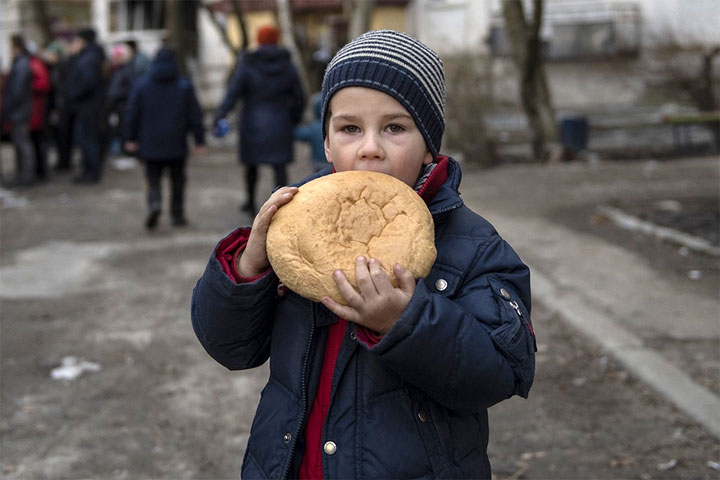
x=518 y=323
x=298 y=429
x=446 y=209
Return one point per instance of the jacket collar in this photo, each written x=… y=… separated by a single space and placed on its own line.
x=447 y=196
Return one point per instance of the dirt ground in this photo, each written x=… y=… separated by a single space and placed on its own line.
x=82 y=279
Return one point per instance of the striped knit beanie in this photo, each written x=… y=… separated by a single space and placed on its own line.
x=399 y=66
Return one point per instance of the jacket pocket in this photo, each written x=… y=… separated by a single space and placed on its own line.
x=514 y=337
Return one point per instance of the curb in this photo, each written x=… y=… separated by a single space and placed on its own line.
x=673 y=384
x=632 y=223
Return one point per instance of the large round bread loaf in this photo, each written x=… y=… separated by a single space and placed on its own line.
x=336 y=218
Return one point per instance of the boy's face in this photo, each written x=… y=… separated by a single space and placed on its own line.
x=370 y=130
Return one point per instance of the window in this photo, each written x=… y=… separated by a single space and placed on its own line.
x=133 y=15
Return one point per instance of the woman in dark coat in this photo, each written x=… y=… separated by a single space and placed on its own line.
x=273 y=102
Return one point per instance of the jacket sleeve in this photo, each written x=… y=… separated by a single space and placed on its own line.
x=233 y=321
x=20 y=76
x=471 y=345
x=234 y=92
x=195 y=116
x=131 y=118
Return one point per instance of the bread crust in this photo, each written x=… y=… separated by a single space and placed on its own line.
x=334 y=219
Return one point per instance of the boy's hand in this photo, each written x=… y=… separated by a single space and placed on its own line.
x=253 y=260
x=378 y=305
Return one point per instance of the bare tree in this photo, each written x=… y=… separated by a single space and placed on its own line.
x=222 y=29
x=534 y=94
x=40 y=13
x=284 y=13
x=466 y=131
x=687 y=73
x=182 y=30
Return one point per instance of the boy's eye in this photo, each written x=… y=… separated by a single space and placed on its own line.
x=350 y=129
x=395 y=128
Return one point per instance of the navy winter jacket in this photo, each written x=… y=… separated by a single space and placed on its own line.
x=17 y=96
x=162 y=110
x=273 y=101
x=86 y=81
x=414 y=405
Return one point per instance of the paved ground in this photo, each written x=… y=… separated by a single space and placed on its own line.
x=82 y=284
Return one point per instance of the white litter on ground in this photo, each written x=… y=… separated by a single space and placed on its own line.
x=71 y=367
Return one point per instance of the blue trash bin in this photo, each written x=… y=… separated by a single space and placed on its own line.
x=574 y=133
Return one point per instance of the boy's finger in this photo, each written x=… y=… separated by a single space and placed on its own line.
x=352 y=297
x=379 y=277
x=362 y=276
x=342 y=311
x=406 y=281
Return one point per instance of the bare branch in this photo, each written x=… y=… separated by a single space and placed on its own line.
x=221 y=30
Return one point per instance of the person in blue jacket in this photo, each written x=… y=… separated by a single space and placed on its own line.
x=162 y=110
x=397 y=383
x=312 y=133
x=273 y=101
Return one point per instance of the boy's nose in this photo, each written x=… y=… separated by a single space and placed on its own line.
x=370 y=147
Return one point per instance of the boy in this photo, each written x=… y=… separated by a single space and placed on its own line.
x=397 y=383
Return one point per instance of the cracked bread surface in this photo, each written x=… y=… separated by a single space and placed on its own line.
x=334 y=219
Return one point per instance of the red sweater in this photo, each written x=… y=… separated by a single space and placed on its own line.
x=227 y=253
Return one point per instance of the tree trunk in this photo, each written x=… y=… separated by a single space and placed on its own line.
x=182 y=30
x=286 y=27
x=709 y=98
x=40 y=14
x=527 y=56
x=360 y=17
x=237 y=8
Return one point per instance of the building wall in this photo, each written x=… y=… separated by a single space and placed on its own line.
x=392 y=18
x=449 y=26
x=455 y=27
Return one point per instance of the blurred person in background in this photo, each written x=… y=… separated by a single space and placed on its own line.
x=41 y=86
x=65 y=112
x=121 y=81
x=140 y=62
x=161 y=111
x=273 y=101
x=54 y=60
x=86 y=97
x=312 y=134
x=16 y=110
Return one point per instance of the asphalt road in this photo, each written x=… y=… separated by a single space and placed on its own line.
x=84 y=288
